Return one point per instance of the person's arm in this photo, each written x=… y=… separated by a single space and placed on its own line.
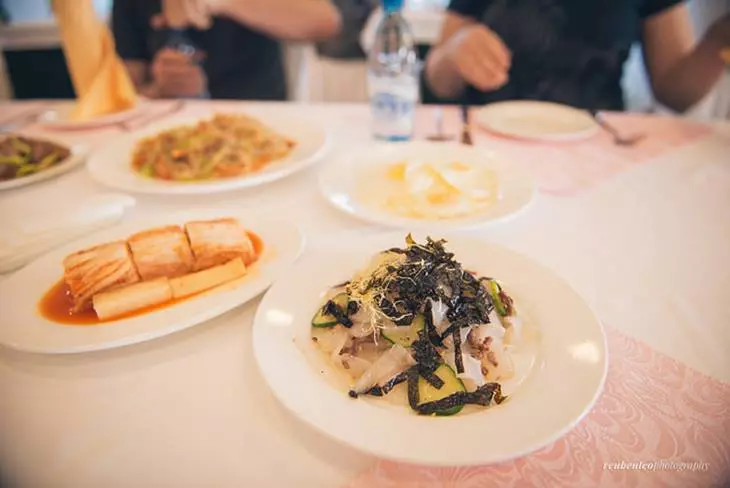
x=466 y=53
x=681 y=73
x=296 y=20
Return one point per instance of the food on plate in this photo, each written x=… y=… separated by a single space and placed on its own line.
x=97 y=269
x=124 y=300
x=193 y=283
x=218 y=241
x=164 y=251
x=224 y=146
x=434 y=190
x=415 y=319
x=151 y=268
x=22 y=156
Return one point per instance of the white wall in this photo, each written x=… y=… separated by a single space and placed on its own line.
x=31 y=11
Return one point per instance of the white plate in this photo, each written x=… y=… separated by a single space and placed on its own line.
x=77 y=156
x=342 y=183
x=111 y=165
x=556 y=395
x=540 y=121
x=23 y=328
x=59 y=117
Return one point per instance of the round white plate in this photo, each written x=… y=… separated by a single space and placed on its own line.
x=540 y=121
x=111 y=165
x=343 y=182
x=555 y=396
x=59 y=117
x=23 y=328
x=77 y=156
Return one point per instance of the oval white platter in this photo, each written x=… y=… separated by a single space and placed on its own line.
x=22 y=327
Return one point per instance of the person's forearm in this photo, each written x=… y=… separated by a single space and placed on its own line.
x=442 y=75
x=285 y=19
x=691 y=78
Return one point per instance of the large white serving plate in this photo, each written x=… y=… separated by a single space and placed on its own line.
x=111 y=165
x=23 y=328
x=559 y=391
x=538 y=121
x=77 y=156
x=345 y=182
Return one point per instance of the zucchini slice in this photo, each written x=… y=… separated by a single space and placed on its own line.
x=452 y=384
x=323 y=319
x=405 y=336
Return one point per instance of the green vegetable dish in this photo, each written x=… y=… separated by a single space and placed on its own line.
x=414 y=319
x=22 y=156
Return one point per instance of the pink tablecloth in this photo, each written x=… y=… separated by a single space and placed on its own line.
x=658 y=423
x=564 y=169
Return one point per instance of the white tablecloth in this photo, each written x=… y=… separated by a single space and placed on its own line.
x=649 y=249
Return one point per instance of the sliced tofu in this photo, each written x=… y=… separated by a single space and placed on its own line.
x=216 y=242
x=98 y=269
x=161 y=252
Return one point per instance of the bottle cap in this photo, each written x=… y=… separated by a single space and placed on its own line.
x=392 y=5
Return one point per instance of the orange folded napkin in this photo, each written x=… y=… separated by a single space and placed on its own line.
x=99 y=77
x=725 y=55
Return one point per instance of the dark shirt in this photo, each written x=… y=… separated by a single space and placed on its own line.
x=239 y=63
x=565 y=51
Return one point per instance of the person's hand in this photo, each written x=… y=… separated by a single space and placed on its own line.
x=177 y=75
x=180 y=14
x=480 y=57
x=719 y=31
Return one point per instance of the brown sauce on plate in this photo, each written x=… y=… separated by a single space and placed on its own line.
x=57 y=304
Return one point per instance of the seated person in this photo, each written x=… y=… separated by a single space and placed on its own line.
x=572 y=51
x=238 y=55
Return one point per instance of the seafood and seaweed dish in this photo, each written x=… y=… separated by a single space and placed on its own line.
x=227 y=145
x=150 y=269
x=415 y=318
x=23 y=156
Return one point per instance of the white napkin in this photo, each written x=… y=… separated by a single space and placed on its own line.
x=34 y=231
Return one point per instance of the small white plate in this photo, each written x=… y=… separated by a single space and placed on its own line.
x=345 y=181
x=111 y=165
x=555 y=396
x=539 y=121
x=77 y=156
x=23 y=328
x=59 y=117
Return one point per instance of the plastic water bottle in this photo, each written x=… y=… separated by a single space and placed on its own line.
x=393 y=72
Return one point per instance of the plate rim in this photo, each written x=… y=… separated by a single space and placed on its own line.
x=104 y=120
x=598 y=388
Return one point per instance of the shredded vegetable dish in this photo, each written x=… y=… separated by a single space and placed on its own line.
x=224 y=146
x=414 y=316
x=21 y=156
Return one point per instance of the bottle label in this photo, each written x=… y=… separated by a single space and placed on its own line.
x=393 y=109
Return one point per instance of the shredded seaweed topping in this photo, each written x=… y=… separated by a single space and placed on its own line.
x=412 y=375
x=385 y=389
x=333 y=309
x=482 y=396
x=458 y=358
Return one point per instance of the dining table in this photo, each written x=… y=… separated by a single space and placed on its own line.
x=641 y=232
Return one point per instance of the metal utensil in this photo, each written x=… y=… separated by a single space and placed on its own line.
x=618 y=138
x=439 y=135
x=465 y=128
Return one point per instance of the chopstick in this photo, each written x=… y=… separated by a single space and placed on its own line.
x=22 y=119
x=143 y=121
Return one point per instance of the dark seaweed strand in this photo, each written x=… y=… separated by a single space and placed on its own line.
x=342 y=285
x=341 y=315
x=482 y=396
x=413 y=396
x=458 y=359
x=352 y=307
x=425 y=354
x=385 y=389
x=431 y=333
x=432 y=379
